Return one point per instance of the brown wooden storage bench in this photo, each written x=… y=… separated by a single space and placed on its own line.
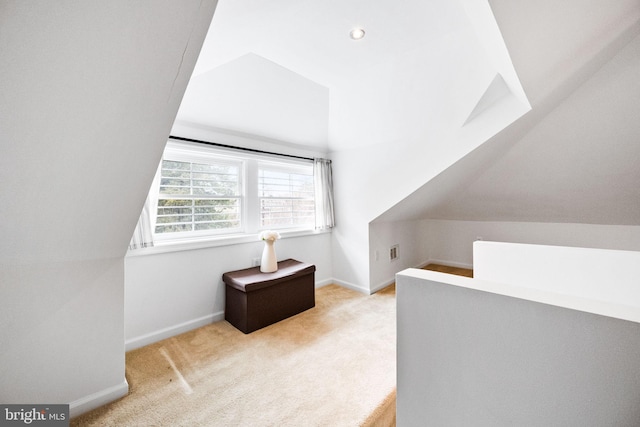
x=255 y=299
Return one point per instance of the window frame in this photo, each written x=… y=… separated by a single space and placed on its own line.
x=249 y=198
x=192 y=154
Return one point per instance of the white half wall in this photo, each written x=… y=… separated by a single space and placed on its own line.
x=451 y=242
x=469 y=355
x=596 y=274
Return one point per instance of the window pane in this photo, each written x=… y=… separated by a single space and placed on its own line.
x=197 y=214
x=186 y=178
x=175 y=165
x=285 y=184
x=201 y=192
x=285 y=212
x=196 y=196
x=286 y=195
x=172 y=228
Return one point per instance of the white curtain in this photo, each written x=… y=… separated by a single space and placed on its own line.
x=323 y=180
x=143 y=234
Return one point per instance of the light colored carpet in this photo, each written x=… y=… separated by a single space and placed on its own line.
x=332 y=365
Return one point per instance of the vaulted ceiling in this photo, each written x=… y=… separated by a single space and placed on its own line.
x=573 y=158
x=288 y=70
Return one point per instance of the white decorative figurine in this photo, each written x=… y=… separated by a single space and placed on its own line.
x=269 y=262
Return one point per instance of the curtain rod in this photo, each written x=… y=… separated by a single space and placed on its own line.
x=216 y=144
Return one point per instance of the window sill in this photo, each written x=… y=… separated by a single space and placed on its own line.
x=212 y=242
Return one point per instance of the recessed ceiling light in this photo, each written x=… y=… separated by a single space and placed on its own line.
x=356 y=33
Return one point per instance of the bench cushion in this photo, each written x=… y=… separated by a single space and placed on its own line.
x=252 y=279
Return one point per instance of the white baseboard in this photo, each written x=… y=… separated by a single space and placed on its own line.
x=100 y=398
x=325 y=282
x=172 y=331
x=161 y=334
x=351 y=286
x=382 y=285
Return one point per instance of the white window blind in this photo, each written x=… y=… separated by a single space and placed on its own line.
x=199 y=197
x=286 y=195
x=204 y=193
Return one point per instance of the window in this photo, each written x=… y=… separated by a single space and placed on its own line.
x=202 y=191
x=286 y=195
x=199 y=197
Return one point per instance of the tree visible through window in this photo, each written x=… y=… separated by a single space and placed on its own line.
x=197 y=197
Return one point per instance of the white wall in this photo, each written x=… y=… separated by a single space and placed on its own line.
x=169 y=293
x=89 y=92
x=173 y=290
x=451 y=242
x=413 y=243
x=571 y=159
x=416 y=136
x=62 y=332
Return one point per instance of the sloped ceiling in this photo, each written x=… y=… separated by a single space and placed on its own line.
x=378 y=86
x=85 y=108
x=570 y=159
x=574 y=157
x=579 y=164
x=256 y=96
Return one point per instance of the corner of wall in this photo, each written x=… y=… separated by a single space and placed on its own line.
x=100 y=398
